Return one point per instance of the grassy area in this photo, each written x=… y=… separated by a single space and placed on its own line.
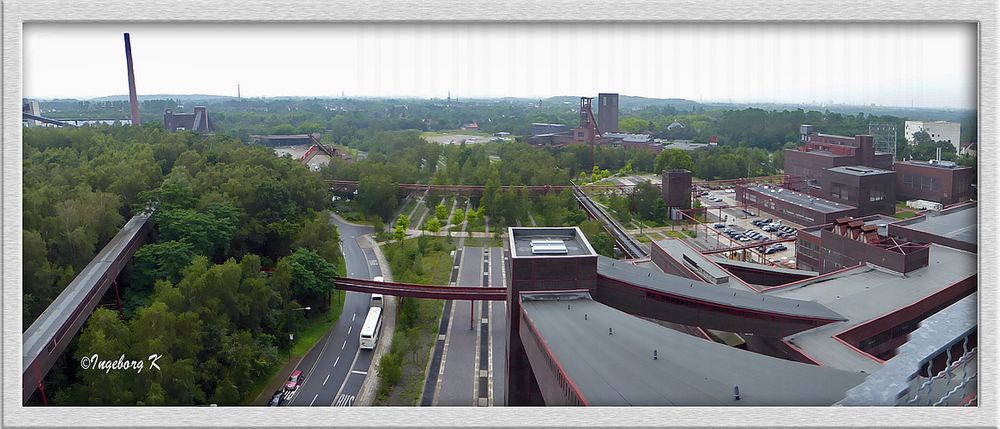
x=483 y=242
x=403 y=367
x=675 y=234
x=642 y=238
x=476 y=225
x=904 y=215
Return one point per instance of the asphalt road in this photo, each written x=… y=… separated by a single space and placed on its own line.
x=498 y=326
x=457 y=382
x=335 y=369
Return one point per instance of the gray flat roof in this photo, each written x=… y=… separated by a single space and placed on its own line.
x=707 y=292
x=866 y=293
x=961 y=224
x=678 y=251
x=619 y=369
x=571 y=237
x=762 y=267
x=860 y=170
x=929 y=165
x=799 y=199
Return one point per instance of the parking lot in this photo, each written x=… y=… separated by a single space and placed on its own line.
x=740 y=222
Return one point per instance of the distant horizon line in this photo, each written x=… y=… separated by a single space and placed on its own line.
x=455 y=98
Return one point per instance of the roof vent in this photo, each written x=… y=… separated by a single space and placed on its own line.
x=548 y=247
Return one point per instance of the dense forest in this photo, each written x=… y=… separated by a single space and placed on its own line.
x=241 y=239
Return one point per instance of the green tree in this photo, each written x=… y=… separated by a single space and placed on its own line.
x=441 y=211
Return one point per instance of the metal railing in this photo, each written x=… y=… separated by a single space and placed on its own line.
x=938 y=366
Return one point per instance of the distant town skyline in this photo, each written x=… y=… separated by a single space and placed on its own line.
x=892 y=65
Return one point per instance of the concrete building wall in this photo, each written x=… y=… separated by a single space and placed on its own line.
x=950 y=132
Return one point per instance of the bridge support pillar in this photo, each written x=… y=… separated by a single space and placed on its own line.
x=41 y=390
x=118 y=300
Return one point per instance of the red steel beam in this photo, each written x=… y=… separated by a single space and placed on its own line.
x=422 y=291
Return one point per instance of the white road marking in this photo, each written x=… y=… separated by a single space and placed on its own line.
x=314 y=400
x=345 y=345
x=325 y=379
x=335 y=362
x=349 y=330
x=353 y=316
x=344 y=400
x=359 y=372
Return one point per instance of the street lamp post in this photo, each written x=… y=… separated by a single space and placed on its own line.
x=291 y=336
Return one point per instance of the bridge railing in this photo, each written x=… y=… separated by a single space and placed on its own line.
x=476 y=293
x=938 y=366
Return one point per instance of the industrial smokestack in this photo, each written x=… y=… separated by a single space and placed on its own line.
x=133 y=98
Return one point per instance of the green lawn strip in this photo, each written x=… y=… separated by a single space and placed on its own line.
x=402 y=369
x=904 y=215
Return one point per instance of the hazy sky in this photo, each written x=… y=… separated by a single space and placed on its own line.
x=922 y=65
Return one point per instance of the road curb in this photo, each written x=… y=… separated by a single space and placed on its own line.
x=369 y=388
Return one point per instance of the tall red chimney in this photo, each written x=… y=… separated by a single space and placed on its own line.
x=133 y=98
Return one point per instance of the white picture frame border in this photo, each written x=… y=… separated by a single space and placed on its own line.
x=15 y=13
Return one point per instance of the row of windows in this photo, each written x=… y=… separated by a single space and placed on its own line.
x=807 y=249
x=915 y=181
x=875 y=195
x=839 y=191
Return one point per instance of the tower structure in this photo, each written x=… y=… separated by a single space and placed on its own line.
x=607 y=112
x=133 y=98
x=885 y=137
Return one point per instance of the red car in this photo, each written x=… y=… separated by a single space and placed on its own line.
x=294 y=380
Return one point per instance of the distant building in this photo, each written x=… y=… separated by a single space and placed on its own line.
x=939 y=181
x=822 y=151
x=950 y=132
x=198 y=121
x=688 y=145
x=286 y=139
x=31 y=108
x=607 y=112
x=471 y=126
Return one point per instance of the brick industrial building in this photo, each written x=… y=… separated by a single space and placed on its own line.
x=822 y=151
x=847 y=242
x=797 y=207
x=938 y=181
x=870 y=190
x=676 y=189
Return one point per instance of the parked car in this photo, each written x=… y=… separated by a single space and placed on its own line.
x=719 y=225
x=294 y=380
x=277 y=398
x=770 y=250
x=778 y=247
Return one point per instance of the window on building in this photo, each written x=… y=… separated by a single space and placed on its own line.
x=839 y=191
x=909 y=181
x=876 y=195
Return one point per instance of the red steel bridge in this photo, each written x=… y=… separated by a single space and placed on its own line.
x=350 y=185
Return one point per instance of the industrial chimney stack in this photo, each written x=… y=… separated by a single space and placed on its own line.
x=133 y=98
